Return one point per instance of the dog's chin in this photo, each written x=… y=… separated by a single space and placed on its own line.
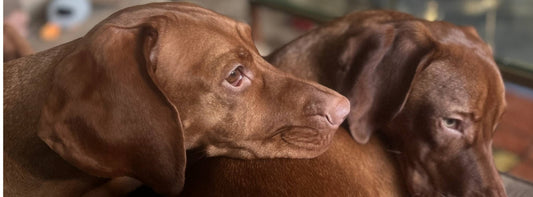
x=418 y=182
x=304 y=138
x=293 y=142
x=304 y=142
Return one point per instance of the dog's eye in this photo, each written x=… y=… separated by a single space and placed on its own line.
x=235 y=77
x=451 y=123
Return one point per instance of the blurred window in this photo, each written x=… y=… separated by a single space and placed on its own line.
x=504 y=24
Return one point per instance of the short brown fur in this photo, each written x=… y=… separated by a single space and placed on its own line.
x=143 y=86
x=402 y=76
x=406 y=78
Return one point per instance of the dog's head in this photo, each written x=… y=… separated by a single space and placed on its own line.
x=151 y=81
x=438 y=96
x=431 y=87
x=449 y=117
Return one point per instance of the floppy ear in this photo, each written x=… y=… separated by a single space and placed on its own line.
x=387 y=58
x=106 y=114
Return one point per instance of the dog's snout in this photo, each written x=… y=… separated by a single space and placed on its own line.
x=338 y=111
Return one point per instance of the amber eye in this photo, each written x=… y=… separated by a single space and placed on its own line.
x=235 y=77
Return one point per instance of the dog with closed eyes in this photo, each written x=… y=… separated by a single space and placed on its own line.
x=142 y=87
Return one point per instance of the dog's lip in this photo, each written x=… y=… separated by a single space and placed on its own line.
x=289 y=127
x=329 y=120
x=325 y=119
x=319 y=122
x=304 y=136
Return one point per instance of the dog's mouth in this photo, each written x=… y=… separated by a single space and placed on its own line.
x=286 y=142
x=304 y=137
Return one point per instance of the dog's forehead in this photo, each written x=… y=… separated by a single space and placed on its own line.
x=461 y=82
x=216 y=31
x=178 y=15
x=215 y=44
x=462 y=69
x=450 y=87
x=209 y=37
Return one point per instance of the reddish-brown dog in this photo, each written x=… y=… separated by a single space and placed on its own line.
x=143 y=86
x=431 y=88
x=345 y=169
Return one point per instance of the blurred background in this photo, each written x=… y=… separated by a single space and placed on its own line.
x=507 y=25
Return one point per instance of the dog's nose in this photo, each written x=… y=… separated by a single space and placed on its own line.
x=338 y=111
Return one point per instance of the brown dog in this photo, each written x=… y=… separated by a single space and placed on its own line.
x=143 y=86
x=345 y=169
x=431 y=88
x=15 y=46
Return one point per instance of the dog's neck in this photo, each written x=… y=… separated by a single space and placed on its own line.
x=27 y=82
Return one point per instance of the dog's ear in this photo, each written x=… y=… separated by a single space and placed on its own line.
x=106 y=114
x=386 y=57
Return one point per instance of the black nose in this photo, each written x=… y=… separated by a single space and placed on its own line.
x=337 y=112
